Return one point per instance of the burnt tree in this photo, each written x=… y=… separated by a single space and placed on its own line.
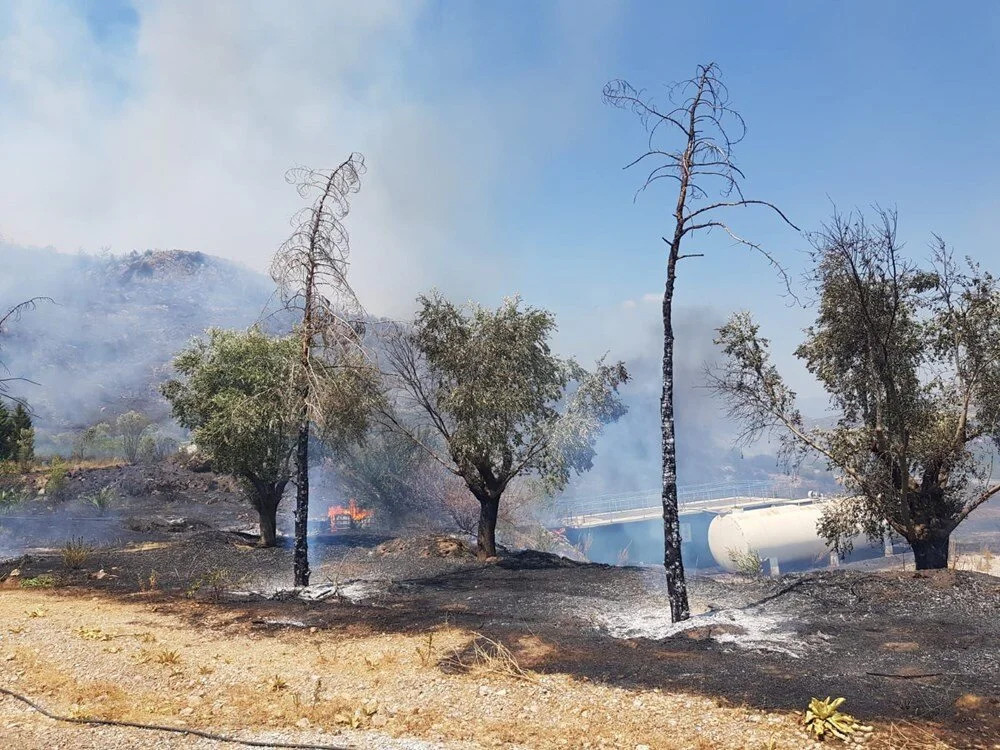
x=690 y=141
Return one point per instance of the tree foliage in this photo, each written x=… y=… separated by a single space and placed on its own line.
x=482 y=393
x=236 y=398
x=910 y=357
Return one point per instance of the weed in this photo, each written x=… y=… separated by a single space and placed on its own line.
x=215 y=582
x=488 y=655
x=10 y=498
x=93 y=634
x=622 y=558
x=277 y=684
x=204 y=669
x=103 y=498
x=56 y=477
x=747 y=562
x=426 y=652
x=823 y=719
x=167 y=656
x=43 y=581
x=76 y=553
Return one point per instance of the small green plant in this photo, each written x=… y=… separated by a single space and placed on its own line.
x=823 y=719
x=56 y=477
x=277 y=684
x=43 y=581
x=10 y=498
x=215 y=582
x=75 y=553
x=103 y=499
x=747 y=562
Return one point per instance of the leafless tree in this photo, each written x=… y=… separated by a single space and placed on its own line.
x=691 y=141
x=310 y=270
x=12 y=315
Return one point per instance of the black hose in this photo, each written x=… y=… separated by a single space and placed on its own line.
x=159 y=728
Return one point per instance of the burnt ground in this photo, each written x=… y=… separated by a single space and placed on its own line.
x=902 y=647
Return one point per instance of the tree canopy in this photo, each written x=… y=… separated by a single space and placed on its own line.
x=236 y=398
x=481 y=392
x=910 y=357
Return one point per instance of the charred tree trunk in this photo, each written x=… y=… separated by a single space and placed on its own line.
x=931 y=552
x=486 y=538
x=301 y=555
x=673 y=564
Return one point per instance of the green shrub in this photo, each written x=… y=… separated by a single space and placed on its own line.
x=56 y=477
x=748 y=562
x=103 y=499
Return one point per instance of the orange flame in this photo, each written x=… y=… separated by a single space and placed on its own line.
x=349 y=517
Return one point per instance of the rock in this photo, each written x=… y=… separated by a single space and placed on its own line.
x=303 y=723
x=186 y=711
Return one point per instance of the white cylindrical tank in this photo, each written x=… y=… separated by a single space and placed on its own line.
x=785 y=534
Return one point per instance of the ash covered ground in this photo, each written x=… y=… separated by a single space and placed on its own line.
x=900 y=646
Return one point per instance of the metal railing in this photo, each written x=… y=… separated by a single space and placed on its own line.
x=688 y=495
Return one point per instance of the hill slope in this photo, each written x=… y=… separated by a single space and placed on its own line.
x=105 y=342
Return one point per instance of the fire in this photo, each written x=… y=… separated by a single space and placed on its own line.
x=348 y=518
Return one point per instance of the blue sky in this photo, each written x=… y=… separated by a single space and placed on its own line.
x=494 y=166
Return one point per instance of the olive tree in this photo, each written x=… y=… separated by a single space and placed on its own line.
x=691 y=141
x=234 y=396
x=481 y=392
x=910 y=357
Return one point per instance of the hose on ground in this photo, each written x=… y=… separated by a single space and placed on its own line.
x=161 y=728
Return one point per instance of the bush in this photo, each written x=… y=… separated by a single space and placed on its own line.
x=10 y=498
x=748 y=562
x=76 y=553
x=154 y=446
x=103 y=498
x=56 y=478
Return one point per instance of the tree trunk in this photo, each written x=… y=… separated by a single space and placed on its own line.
x=268 y=525
x=931 y=553
x=301 y=556
x=486 y=539
x=672 y=563
x=268 y=500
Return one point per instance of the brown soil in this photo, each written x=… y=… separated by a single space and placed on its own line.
x=413 y=638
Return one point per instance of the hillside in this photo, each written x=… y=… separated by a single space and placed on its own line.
x=106 y=340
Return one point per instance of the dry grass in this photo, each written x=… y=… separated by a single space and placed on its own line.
x=76 y=553
x=487 y=656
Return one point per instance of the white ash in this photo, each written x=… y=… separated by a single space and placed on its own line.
x=759 y=631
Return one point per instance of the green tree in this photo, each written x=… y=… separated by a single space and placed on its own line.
x=130 y=427
x=22 y=438
x=7 y=441
x=236 y=400
x=25 y=448
x=910 y=358
x=482 y=393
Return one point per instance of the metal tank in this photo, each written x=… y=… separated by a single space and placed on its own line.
x=784 y=534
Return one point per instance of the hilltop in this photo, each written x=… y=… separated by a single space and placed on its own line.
x=105 y=342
